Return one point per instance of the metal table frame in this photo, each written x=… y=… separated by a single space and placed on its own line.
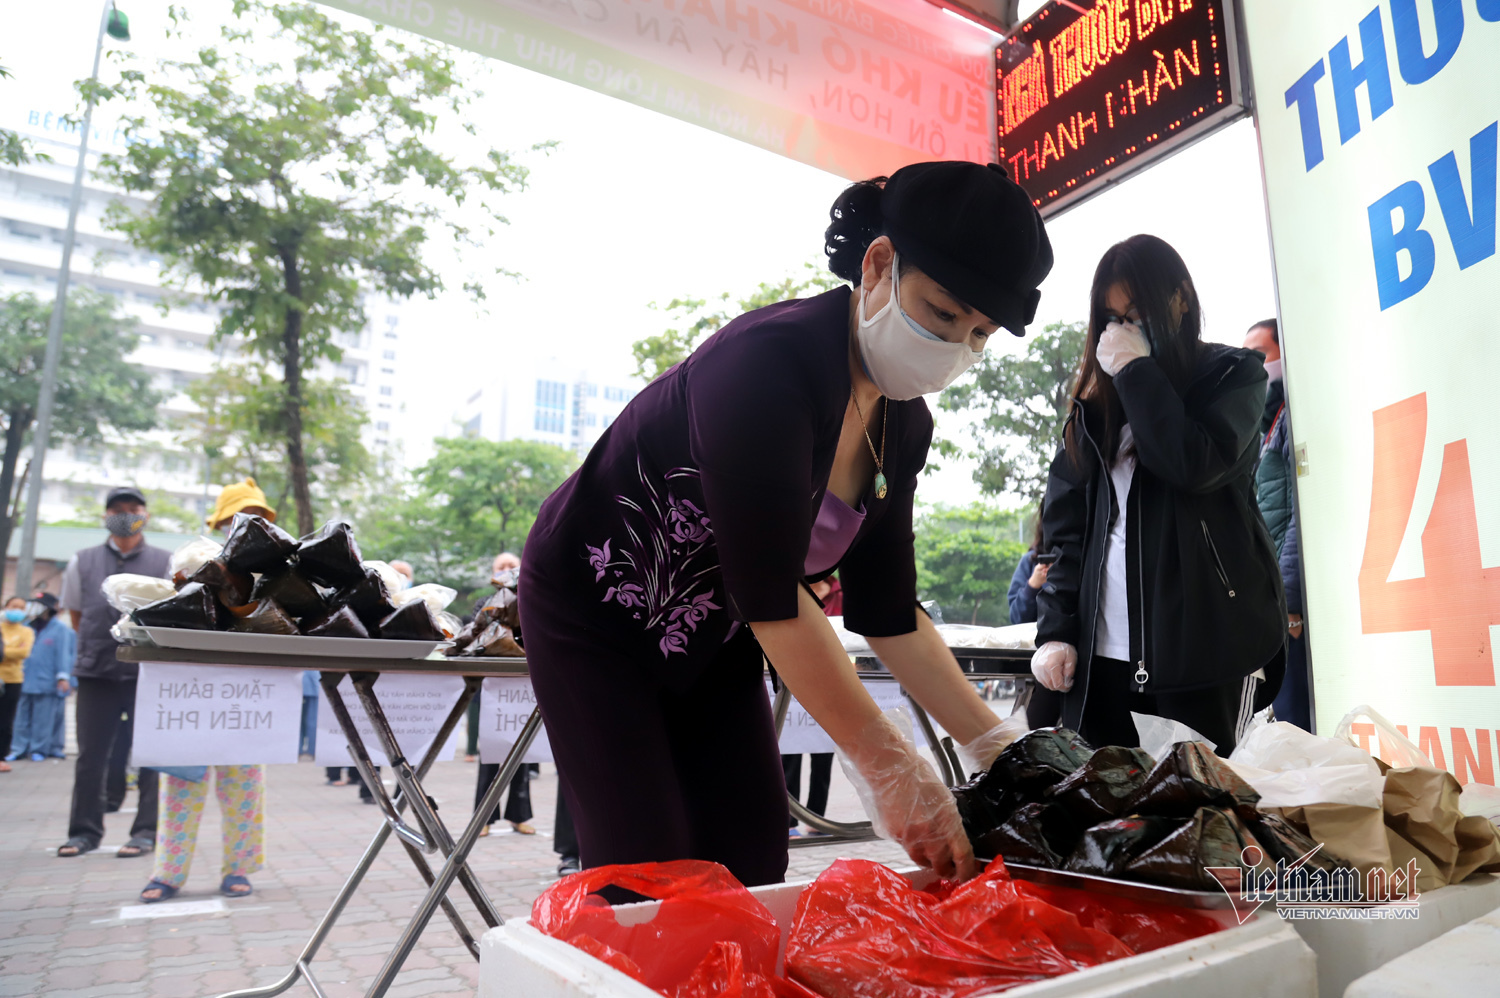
x=429 y=835
x=978 y=664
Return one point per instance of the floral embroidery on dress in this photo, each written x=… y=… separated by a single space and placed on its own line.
x=660 y=568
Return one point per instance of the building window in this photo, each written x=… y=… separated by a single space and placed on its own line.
x=383 y=405
x=389 y=354
x=471 y=428
x=549 y=420
x=382 y=427
x=350 y=373
x=387 y=370
x=591 y=420
x=147 y=339
x=551 y=395
x=586 y=389
x=387 y=390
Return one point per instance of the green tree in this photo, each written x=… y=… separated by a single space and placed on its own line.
x=290 y=175
x=97 y=389
x=700 y=317
x=965 y=558
x=474 y=499
x=167 y=514
x=240 y=426
x=15 y=150
x=1022 y=402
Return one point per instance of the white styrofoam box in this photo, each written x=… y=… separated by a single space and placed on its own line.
x=1351 y=948
x=1262 y=957
x=1465 y=961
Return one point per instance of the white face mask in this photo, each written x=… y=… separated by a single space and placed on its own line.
x=1273 y=369
x=903 y=359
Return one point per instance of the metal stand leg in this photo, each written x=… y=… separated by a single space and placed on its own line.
x=325 y=925
x=422 y=806
x=456 y=861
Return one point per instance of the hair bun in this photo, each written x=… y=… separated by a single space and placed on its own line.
x=856 y=221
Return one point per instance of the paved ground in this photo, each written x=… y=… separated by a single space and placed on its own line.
x=73 y=927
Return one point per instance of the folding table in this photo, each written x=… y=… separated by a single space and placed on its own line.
x=421 y=839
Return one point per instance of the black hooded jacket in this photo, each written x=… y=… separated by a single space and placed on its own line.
x=1206 y=600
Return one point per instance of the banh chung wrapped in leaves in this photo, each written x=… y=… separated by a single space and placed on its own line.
x=369 y=598
x=1036 y=835
x=288 y=587
x=232 y=588
x=1213 y=837
x=338 y=622
x=1019 y=775
x=255 y=544
x=194 y=607
x=495 y=641
x=503 y=607
x=1190 y=777
x=330 y=556
x=1097 y=790
x=412 y=622
x=266 y=618
x=1107 y=848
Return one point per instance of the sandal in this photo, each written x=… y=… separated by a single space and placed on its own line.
x=137 y=846
x=165 y=892
x=232 y=881
x=75 y=847
x=523 y=828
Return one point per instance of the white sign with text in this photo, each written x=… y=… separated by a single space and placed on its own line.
x=504 y=706
x=415 y=706
x=802 y=733
x=216 y=715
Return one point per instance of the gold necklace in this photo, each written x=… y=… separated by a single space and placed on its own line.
x=880 y=485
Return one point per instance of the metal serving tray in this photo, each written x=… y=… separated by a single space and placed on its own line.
x=230 y=642
x=1213 y=900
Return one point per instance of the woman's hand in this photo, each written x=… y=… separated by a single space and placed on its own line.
x=1120 y=344
x=1053 y=665
x=1038 y=576
x=906 y=801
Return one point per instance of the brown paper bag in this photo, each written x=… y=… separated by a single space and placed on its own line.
x=1430 y=873
x=1421 y=808
x=1354 y=835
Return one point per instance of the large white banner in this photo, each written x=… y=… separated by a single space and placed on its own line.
x=1378 y=125
x=216 y=715
x=415 y=705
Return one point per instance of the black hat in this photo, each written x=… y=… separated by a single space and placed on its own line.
x=46 y=599
x=974 y=231
x=124 y=493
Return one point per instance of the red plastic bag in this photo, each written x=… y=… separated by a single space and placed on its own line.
x=862 y=931
x=710 y=938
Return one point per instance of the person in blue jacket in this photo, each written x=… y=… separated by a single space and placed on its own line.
x=1028 y=581
x=47 y=672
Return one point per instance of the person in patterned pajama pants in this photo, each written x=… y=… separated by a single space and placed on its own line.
x=242 y=792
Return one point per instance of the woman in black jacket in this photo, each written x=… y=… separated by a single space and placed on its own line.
x=1165 y=598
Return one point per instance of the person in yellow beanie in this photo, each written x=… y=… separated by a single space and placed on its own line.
x=241 y=789
x=241 y=497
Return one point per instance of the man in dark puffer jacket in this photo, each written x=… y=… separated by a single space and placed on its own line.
x=1276 y=496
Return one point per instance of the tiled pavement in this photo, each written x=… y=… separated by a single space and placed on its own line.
x=72 y=927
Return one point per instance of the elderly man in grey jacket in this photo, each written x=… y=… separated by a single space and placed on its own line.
x=106 y=685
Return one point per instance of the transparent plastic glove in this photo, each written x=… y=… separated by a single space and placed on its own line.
x=1053 y=665
x=904 y=798
x=1120 y=344
x=979 y=755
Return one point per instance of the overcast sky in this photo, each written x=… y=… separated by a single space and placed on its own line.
x=634 y=207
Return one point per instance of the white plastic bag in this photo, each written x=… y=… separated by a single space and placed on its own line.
x=192 y=556
x=1289 y=767
x=1481 y=799
x=394 y=580
x=1158 y=734
x=131 y=592
x=1395 y=748
x=438 y=597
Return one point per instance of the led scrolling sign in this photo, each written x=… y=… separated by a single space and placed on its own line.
x=1086 y=96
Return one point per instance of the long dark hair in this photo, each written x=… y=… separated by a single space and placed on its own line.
x=1154 y=274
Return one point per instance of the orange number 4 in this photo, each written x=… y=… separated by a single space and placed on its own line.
x=1458 y=599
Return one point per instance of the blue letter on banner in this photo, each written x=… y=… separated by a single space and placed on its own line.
x=1472 y=233
x=1387 y=243
x=1303 y=94
x=1415 y=66
x=1373 y=71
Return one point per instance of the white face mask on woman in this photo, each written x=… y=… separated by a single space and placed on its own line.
x=903 y=359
